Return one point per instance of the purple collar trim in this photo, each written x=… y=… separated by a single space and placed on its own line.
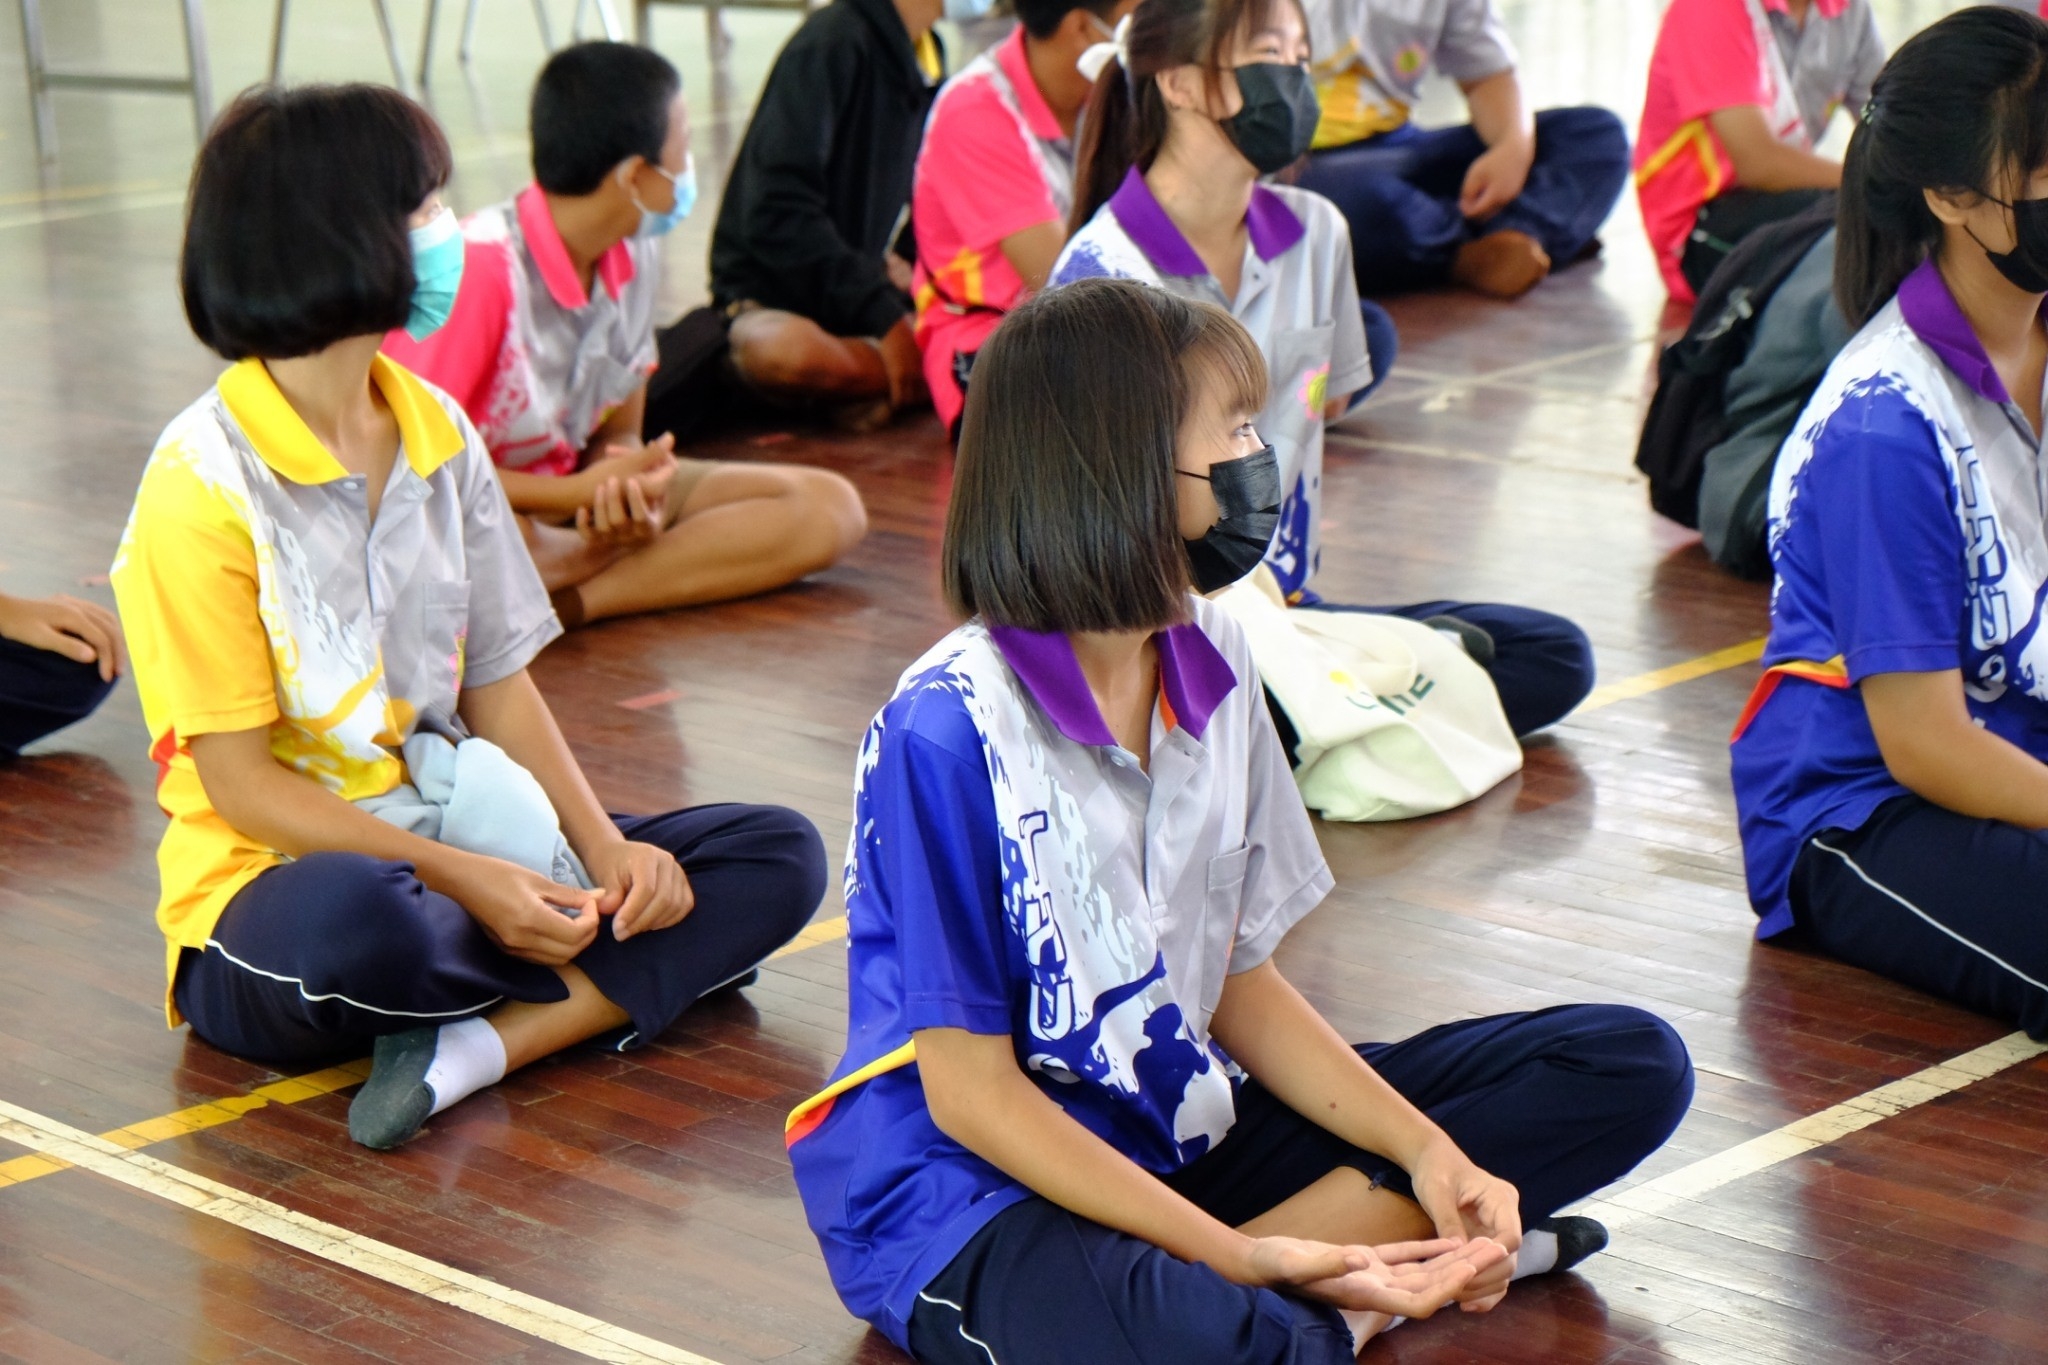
x=1931 y=311
x=1192 y=671
x=1273 y=226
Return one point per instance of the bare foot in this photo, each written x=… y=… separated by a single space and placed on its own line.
x=564 y=556
x=1502 y=265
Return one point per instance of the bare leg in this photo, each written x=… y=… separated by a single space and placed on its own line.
x=1343 y=1208
x=563 y=556
x=531 y=1032
x=411 y=1079
x=744 y=529
x=785 y=355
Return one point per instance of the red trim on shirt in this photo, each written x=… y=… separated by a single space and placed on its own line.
x=551 y=254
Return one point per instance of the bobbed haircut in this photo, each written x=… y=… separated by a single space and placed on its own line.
x=1962 y=106
x=594 y=105
x=1125 y=122
x=1041 y=18
x=295 y=227
x=1065 y=514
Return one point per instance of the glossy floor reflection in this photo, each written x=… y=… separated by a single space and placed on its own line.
x=651 y=1190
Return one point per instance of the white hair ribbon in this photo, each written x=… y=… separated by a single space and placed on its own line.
x=1096 y=59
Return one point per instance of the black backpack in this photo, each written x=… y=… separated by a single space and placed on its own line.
x=1689 y=414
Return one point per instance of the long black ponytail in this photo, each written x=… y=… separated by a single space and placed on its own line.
x=1125 y=122
x=1961 y=104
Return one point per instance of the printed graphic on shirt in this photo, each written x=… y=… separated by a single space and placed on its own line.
x=1104 y=1030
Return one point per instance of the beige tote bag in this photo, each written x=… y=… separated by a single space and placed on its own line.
x=1395 y=720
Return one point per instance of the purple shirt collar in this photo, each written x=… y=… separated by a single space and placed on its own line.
x=1192 y=671
x=1931 y=311
x=1272 y=226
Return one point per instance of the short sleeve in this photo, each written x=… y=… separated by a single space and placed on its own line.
x=1285 y=874
x=1890 y=550
x=976 y=166
x=1350 y=362
x=186 y=585
x=463 y=356
x=939 y=866
x=1707 y=58
x=1475 y=42
x=510 y=617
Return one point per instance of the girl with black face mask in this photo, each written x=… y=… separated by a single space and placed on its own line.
x=1892 y=773
x=1082 y=1115
x=1195 y=101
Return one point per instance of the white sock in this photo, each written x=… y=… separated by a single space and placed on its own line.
x=468 y=1055
x=1538 y=1255
x=1365 y=1326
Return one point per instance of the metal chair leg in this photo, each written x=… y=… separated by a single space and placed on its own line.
x=42 y=112
x=200 y=66
x=433 y=22
x=284 y=15
x=400 y=77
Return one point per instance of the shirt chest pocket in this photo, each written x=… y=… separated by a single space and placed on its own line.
x=606 y=380
x=442 y=637
x=1301 y=376
x=1222 y=907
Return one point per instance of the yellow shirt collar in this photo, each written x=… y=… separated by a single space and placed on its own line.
x=292 y=451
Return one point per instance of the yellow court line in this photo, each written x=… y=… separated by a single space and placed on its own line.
x=292 y=1090
x=1748 y=652
x=600 y=1340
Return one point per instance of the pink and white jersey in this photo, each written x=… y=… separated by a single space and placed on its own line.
x=537 y=362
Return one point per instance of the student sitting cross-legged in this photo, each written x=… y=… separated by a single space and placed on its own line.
x=550 y=346
x=378 y=838
x=59 y=658
x=1201 y=97
x=1891 y=773
x=1493 y=205
x=995 y=183
x=1739 y=93
x=1082 y=1116
x=804 y=259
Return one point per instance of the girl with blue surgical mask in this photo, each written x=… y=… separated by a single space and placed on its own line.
x=379 y=841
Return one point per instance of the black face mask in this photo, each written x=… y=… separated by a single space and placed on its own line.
x=1248 y=491
x=2025 y=267
x=1278 y=121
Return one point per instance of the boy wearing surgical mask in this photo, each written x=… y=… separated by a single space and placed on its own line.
x=550 y=344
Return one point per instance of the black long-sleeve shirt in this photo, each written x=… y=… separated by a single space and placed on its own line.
x=824 y=173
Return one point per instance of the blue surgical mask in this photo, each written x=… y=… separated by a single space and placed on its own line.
x=437 y=252
x=654 y=224
x=961 y=11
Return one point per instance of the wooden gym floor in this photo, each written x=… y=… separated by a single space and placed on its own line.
x=1864 y=1175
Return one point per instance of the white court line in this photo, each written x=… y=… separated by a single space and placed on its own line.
x=1689 y=1183
x=551 y=1322
x=602 y=1341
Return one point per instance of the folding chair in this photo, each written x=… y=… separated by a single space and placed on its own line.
x=399 y=77
x=197 y=82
